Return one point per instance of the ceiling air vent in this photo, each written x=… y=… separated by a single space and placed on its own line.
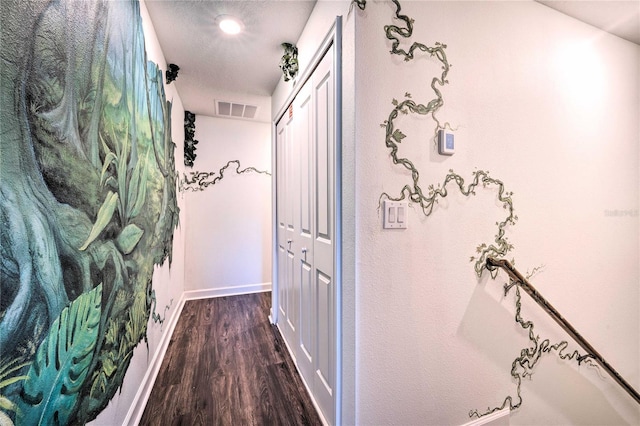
x=236 y=110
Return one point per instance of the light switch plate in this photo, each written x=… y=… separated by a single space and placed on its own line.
x=395 y=214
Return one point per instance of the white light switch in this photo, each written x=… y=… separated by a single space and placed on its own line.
x=392 y=214
x=395 y=214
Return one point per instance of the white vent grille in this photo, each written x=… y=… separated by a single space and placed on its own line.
x=236 y=110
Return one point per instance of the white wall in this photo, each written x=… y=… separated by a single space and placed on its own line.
x=229 y=223
x=561 y=131
x=348 y=302
x=168 y=281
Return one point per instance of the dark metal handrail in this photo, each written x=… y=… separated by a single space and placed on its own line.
x=521 y=281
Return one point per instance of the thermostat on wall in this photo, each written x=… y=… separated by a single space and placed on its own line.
x=446 y=142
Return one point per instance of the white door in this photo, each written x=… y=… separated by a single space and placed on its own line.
x=286 y=169
x=305 y=144
x=324 y=235
x=303 y=124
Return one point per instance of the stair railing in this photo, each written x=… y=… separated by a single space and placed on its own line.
x=518 y=279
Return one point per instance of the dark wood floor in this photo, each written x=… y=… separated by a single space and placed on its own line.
x=227 y=365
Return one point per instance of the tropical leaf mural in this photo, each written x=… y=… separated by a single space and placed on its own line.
x=87 y=203
x=55 y=378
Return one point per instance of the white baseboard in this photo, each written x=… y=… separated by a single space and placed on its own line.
x=227 y=291
x=499 y=418
x=144 y=391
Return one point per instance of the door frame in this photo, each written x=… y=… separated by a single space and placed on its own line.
x=333 y=38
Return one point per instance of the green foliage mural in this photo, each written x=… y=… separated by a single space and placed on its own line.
x=87 y=203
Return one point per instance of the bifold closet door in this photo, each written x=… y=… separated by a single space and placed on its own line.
x=305 y=144
x=287 y=203
x=304 y=139
x=323 y=283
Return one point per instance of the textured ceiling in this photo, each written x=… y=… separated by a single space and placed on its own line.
x=244 y=69
x=218 y=67
x=621 y=18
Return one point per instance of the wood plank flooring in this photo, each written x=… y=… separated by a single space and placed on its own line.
x=227 y=365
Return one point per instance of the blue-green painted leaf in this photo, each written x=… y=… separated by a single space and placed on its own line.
x=140 y=188
x=108 y=159
x=121 y=171
x=6 y=371
x=111 y=183
x=104 y=216
x=129 y=238
x=51 y=393
x=142 y=194
x=132 y=194
x=11 y=381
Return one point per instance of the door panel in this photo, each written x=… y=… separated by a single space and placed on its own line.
x=293 y=229
x=305 y=356
x=282 y=281
x=302 y=111
x=325 y=331
x=323 y=155
x=304 y=125
x=280 y=221
x=323 y=244
x=292 y=302
x=286 y=199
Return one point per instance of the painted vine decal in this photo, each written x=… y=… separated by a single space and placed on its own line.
x=394 y=137
x=522 y=367
x=524 y=364
x=199 y=181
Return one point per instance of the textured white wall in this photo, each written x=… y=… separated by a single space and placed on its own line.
x=229 y=223
x=348 y=295
x=550 y=106
x=168 y=282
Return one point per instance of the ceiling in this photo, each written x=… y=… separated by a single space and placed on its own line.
x=244 y=68
x=621 y=18
x=218 y=67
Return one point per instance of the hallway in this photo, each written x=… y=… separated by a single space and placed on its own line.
x=226 y=364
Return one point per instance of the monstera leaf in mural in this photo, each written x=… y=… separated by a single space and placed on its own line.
x=87 y=202
x=62 y=362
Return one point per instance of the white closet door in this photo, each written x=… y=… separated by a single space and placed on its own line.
x=324 y=235
x=287 y=168
x=305 y=144
x=304 y=128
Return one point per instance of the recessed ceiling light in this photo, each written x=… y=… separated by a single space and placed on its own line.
x=229 y=24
